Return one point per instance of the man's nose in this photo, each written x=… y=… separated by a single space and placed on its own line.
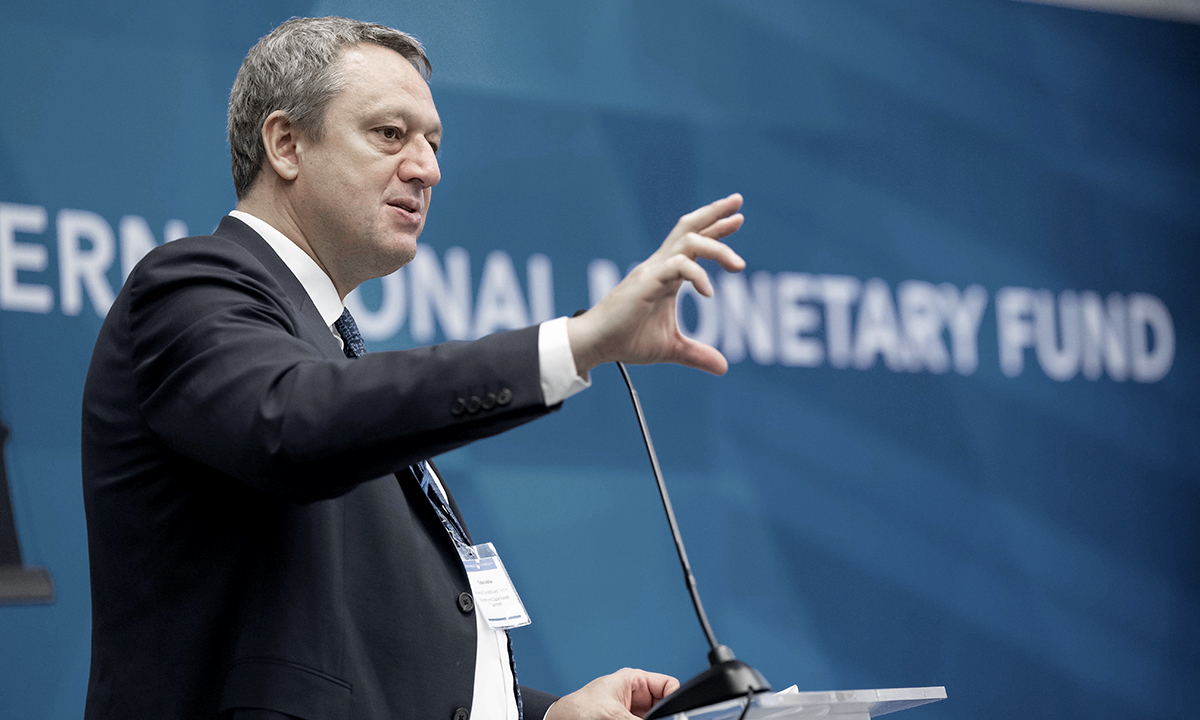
x=421 y=165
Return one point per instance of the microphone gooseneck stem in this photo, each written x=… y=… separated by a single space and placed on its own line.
x=666 y=501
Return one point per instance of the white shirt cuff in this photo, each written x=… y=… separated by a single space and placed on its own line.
x=560 y=380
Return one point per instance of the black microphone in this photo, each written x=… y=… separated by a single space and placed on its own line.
x=726 y=677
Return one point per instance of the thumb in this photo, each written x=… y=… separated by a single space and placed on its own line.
x=695 y=354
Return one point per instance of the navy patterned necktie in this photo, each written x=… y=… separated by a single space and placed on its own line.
x=354 y=347
x=352 y=342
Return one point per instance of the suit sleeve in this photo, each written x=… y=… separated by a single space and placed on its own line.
x=224 y=377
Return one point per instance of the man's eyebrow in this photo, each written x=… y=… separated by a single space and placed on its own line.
x=385 y=113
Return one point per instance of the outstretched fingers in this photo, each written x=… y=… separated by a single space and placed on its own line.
x=701 y=218
x=697 y=245
x=724 y=227
x=681 y=267
x=636 y=322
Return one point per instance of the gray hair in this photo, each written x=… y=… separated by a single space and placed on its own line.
x=295 y=69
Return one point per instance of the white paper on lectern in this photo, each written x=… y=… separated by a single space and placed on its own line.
x=843 y=704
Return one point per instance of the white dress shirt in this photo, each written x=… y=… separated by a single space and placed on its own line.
x=494 y=697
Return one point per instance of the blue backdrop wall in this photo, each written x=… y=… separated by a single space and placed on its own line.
x=958 y=442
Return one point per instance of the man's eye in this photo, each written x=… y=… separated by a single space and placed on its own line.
x=389 y=133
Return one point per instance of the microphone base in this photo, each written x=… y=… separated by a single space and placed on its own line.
x=724 y=680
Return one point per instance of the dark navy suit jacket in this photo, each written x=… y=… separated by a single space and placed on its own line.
x=250 y=544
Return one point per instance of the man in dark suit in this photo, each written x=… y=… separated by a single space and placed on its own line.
x=265 y=537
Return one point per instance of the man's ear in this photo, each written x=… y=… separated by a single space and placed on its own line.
x=280 y=138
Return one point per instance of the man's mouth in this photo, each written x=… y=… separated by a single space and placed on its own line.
x=409 y=208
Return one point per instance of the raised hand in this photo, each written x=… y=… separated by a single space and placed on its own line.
x=635 y=323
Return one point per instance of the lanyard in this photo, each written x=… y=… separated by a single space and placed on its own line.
x=441 y=506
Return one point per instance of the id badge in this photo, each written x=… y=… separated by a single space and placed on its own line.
x=494 y=593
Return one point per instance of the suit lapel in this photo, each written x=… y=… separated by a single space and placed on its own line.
x=242 y=234
x=239 y=232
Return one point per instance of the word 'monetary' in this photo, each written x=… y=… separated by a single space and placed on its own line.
x=790 y=319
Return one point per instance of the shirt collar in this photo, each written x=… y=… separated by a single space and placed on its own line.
x=316 y=283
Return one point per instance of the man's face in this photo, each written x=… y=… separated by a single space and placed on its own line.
x=363 y=190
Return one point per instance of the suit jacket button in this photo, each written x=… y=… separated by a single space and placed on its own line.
x=462 y=714
x=489 y=401
x=466 y=603
x=474 y=404
x=458 y=407
x=504 y=397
